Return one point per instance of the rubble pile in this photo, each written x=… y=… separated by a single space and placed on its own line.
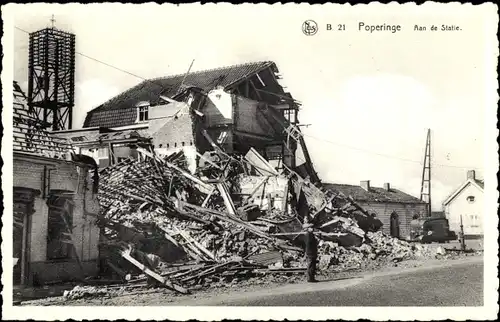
x=378 y=247
x=80 y=292
x=233 y=219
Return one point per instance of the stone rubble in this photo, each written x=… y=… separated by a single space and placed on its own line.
x=163 y=226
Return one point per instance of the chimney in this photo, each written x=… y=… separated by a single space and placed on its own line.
x=471 y=174
x=387 y=186
x=365 y=185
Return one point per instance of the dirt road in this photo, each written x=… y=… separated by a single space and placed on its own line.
x=160 y=297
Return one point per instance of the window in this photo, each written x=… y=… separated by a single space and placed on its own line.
x=103 y=153
x=290 y=115
x=474 y=221
x=222 y=137
x=143 y=113
x=471 y=199
x=60 y=226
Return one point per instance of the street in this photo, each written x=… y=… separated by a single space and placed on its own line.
x=449 y=284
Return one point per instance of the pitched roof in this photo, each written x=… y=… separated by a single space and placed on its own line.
x=476 y=182
x=374 y=195
x=30 y=135
x=109 y=114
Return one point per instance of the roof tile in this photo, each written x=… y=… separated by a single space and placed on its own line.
x=30 y=135
x=111 y=112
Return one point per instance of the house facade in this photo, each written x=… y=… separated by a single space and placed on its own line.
x=235 y=107
x=393 y=207
x=55 y=210
x=466 y=204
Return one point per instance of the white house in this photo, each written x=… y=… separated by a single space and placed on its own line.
x=466 y=201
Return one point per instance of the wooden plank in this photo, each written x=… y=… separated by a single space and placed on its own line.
x=173 y=166
x=284 y=202
x=289 y=233
x=198 y=245
x=209 y=271
x=156 y=276
x=228 y=218
x=207 y=160
x=227 y=198
x=211 y=141
x=255 y=89
x=258 y=186
x=260 y=163
x=358 y=207
x=204 y=204
x=330 y=222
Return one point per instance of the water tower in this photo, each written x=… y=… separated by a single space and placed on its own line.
x=51 y=79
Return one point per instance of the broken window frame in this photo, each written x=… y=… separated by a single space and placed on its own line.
x=290 y=115
x=59 y=245
x=221 y=139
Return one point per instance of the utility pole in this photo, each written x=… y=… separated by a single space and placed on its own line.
x=425 y=188
x=462 y=235
x=185 y=75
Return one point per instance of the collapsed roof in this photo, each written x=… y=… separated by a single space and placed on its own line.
x=30 y=135
x=173 y=86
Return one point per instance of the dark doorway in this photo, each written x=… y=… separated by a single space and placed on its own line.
x=394 y=225
x=22 y=212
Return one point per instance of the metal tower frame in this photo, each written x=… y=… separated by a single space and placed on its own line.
x=425 y=188
x=51 y=77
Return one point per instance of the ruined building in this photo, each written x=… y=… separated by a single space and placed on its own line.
x=235 y=107
x=55 y=234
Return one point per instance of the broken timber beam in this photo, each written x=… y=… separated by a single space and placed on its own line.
x=260 y=163
x=173 y=166
x=227 y=198
x=225 y=217
x=190 y=239
x=156 y=276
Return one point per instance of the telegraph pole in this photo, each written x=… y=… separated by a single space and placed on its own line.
x=462 y=235
x=425 y=188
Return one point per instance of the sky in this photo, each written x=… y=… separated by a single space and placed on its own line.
x=368 y=98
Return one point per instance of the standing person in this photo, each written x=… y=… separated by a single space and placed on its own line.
x=311 y=252
x=415 y=227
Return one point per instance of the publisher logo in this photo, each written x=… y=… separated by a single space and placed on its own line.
x=309 y=27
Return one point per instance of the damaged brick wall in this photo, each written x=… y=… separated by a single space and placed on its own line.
x=68 y=177
x=175 y=133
